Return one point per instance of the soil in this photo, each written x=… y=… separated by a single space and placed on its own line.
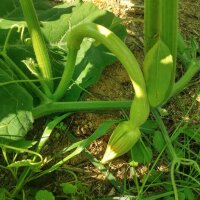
x=114 y=84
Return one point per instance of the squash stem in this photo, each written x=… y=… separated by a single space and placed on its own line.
x=151 y=23
x=46 y=109
x=67 y=75
x=193 y=68
x=39 y=45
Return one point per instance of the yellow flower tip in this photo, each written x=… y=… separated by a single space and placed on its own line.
x=109 y=155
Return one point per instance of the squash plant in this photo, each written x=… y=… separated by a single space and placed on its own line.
x=37 y=68
x=33 y=63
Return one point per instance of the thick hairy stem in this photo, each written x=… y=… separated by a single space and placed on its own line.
x=140 y=106
x=169 y=25
x=169 y=30
x=39 y=45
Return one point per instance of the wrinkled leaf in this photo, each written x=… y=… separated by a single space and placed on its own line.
x=91 y=59
x=56 y=22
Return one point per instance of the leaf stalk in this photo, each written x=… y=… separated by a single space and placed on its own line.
x=46 y=109
x=39 y=45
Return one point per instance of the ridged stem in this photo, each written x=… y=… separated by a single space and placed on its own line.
x=38 y=42
x=151 y=23
x=169 y=26
x=67 y=74
x=161 y=21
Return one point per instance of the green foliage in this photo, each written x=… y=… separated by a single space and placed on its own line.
x=68 y=188
x=141 y=153
x=189 y=194
x=16 y=106
x=3 y=192
x=73 y=52
x=191 y=132
x=56 y=22
x=44 y=195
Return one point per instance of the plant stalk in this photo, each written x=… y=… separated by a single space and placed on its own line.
x=193 y=68
x=169 y=25
x=53 y=107
x=38 y=42
x=151 y=23
x=169 y=31
x=175 y=158
x=67 y=74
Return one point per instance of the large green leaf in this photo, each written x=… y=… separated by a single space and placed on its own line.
x=15 y=109
x=56 y=23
